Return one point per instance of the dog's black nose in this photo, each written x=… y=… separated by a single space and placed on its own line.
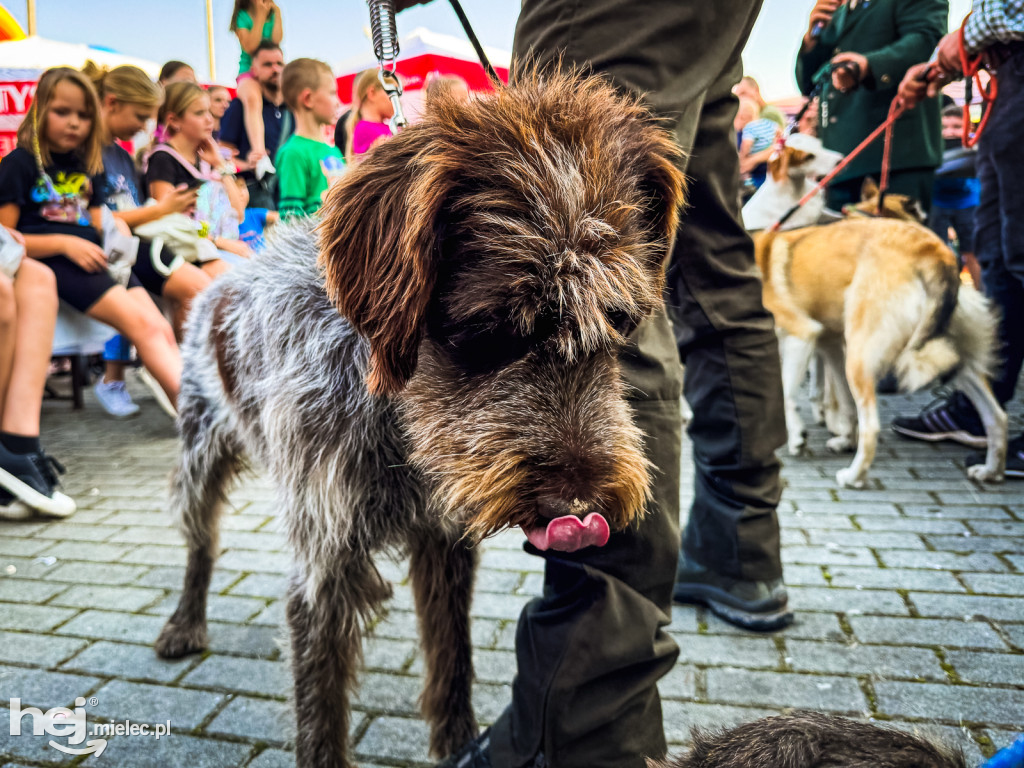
x=552 y=506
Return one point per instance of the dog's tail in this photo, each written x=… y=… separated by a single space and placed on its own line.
x=930 y=353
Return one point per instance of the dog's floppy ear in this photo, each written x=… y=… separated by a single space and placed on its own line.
x=869 y=189
x=377 y=249
x=778 y=163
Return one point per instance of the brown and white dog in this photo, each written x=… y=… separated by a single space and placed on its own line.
x=874 y=295
x=792 y=173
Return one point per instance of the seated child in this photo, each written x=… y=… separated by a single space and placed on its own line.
x=306 y=164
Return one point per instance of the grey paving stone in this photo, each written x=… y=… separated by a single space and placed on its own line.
x=851 y=507
x=806 y=575
x=256 y=522
x=836 y=600
x=176 y=749
x=395 y=738
x=96 y=552
x=261 y=562
x=946 y=734
x=533 y=583
x=169 y=577
x=807 y=521
x=76 y=531
x=893 y=631
x=26 y=746
x=119 y=598
x=153 y=555
x=911 y=525
x=503 y=582
x=256 y=720
x=679 y=683
x=828 y=555
x=37 y=650
x=511 y=560
x=996 y=608
x=870 y=539
x=870 y=660
x=946 y=561
x=391 y=694
x=218 y=607
x=145 y=519
x=272 y=615
x=22 y=547
x=684 y=619
x=490 y=700
x=273 y=758
x=32 y=617
x=108 y=625
x=895 y=578
x=143 y=703
x=1016 y=634
x=951 y=703
x=680 y=716
x=492 y=606
x=1017 y=561
x=1013 y=528
x=777 y=689
x=976 y=667
x=263 y=541
x=97 y=573
x=18 y=529
x=239 y=674
x=493 y=666
x=954 y=512
x=246 y=639
x=977 y=544
x=260 y=585
x=712 y=650
x=28 y=590
x=44 y=690
x=138 y=662
x=805 y=625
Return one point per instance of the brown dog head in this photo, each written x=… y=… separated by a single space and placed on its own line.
x=891 y=205
x=495 y=256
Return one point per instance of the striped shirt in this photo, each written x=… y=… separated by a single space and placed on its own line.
x=761 y=132
x=994 y=21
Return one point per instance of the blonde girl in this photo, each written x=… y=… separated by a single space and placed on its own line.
x=190 y=157
x=254 y=21
x=368 y=121
x=48 y=194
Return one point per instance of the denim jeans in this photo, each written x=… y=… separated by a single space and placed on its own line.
x=999 y=223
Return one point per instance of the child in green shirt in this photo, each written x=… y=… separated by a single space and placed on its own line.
x=254 y=21
x=306 y=164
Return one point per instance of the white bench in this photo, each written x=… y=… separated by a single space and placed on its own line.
x=77 y=336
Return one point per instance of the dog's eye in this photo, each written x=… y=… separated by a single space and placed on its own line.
x=482 y=350
x=621 y=322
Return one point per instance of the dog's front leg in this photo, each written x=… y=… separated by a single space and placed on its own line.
x=326 y=613
x=443 y=567
x=995 y=421
x=796 y=356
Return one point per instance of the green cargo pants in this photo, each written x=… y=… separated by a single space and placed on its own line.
x=591 y=650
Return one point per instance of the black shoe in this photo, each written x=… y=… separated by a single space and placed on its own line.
x=475 y=754
x=761 y=606
x=1014 y=458
x=32 y=479
x=953 y=418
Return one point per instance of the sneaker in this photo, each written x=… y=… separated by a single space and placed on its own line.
x=12 y=508
x=114 y=397
x=158 y=392
x=475 y=754
x=762 y=606
x=952 y=418
x=1014 y=458
x=32 y=479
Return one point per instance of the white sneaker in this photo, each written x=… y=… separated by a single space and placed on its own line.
x=114 y=397
x=158 y=392
x=12 y=508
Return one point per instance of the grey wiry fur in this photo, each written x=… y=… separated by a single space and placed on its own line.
x=813 y=740
x=449 y=370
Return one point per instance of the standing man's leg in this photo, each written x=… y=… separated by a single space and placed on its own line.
x=730 y=558
x=591 y=650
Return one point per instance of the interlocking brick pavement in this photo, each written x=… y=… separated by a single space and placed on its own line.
x=909 y=599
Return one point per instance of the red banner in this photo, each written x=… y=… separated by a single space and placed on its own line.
x=15 y=100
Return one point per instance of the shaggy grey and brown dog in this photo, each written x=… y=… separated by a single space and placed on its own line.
x=448 y=371
x=814 y=740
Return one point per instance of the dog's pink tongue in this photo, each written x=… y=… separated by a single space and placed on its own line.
x=569 y=533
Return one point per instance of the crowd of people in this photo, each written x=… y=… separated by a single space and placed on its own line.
x=216 y=171
x=186 y=179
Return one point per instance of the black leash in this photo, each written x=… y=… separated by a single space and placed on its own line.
x=484 y=61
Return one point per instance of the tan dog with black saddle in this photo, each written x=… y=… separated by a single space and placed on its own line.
x=874 y=295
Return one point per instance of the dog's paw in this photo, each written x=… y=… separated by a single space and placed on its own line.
x=840 y=444
x=847 y=478
x=982 y=474
x=797 y=447
x=177 y=640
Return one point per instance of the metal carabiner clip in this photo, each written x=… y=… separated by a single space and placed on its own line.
x=393 y=88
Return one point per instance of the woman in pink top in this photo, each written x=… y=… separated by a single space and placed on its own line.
x=368 y=122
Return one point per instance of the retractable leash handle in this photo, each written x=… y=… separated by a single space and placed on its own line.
x=1011 y=757
x=385 y=47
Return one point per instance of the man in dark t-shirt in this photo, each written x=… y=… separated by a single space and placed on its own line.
x=267 y=64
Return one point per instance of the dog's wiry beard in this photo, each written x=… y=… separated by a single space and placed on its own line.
x=565 y=437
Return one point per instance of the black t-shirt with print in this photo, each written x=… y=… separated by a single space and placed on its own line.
x=57 y=208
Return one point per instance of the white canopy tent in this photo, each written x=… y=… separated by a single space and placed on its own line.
x=26 y=59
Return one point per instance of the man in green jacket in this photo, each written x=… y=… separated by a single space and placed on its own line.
x=873 y=42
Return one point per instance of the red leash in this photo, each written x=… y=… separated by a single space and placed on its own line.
x=972 y=69
x=895 y=110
